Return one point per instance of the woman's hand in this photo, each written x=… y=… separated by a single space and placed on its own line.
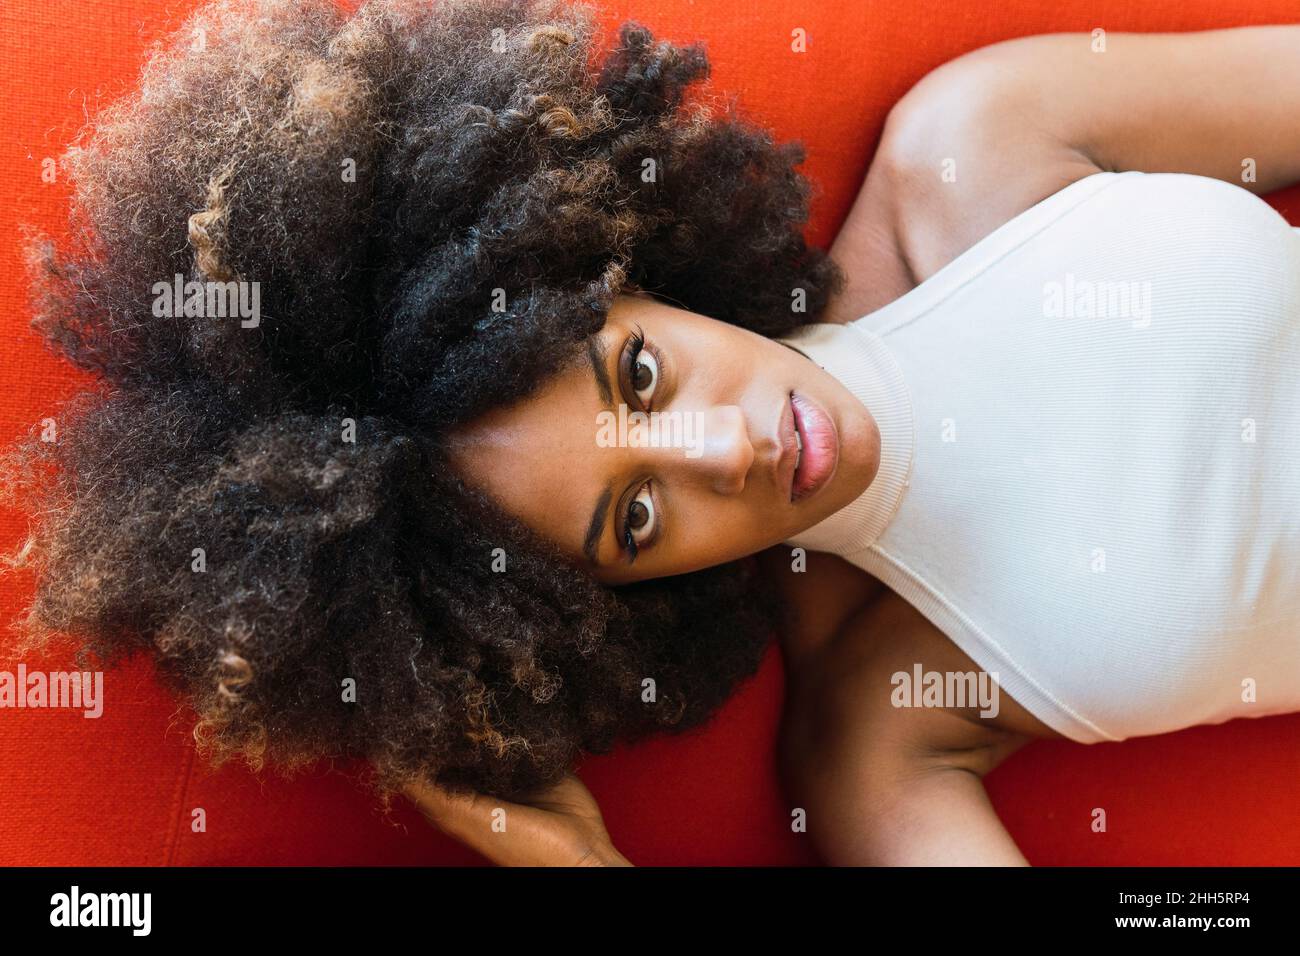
x=558 y=826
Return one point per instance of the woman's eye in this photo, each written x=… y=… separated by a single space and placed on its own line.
x=645 y=374
x=641 y=517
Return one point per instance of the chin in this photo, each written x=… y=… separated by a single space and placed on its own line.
x=873 y=443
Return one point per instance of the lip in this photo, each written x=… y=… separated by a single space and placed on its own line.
x=821 y=447
x=786 y=431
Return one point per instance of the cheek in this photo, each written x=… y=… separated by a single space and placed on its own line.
x=740 y=358
x=716 y=531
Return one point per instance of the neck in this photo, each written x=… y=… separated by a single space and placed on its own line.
x=815 y=603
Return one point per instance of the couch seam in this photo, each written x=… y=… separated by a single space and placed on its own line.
x=182 y=788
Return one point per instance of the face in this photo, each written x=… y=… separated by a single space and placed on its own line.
x=675 y=443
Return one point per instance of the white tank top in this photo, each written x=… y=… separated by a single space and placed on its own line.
x=1090 y=475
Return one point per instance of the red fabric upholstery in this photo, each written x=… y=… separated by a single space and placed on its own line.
x=121 y=789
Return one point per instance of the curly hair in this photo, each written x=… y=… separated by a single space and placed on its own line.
x=437 y=204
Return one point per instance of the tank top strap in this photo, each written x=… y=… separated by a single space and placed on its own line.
x=975 y=260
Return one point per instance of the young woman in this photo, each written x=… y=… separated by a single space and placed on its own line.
x=385 y=515
x=1077 y=494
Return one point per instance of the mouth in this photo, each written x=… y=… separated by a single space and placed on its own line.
x=817 y=446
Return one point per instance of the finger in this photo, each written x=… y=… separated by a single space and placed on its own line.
x=479 y=822
x=456 y=812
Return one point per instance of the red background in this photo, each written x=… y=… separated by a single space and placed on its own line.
x=120 y=789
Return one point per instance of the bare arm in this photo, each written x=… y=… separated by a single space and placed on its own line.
x=906 y=807
x=985 y=136
x=1198 y=102
x=1160 y=102
x=888 y=786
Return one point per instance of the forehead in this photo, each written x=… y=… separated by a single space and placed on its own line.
x=560 y=416
x=552 y=433
x=539 y=457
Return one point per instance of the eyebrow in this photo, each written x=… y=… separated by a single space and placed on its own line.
x=597 y=527
x=597 y=354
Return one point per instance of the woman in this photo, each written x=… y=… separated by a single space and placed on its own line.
x=336 y=523
x=1148 y=454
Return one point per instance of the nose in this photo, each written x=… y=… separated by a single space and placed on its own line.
x=716 y=450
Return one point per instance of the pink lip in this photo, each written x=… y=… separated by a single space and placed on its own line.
x=789 y=450
x=821 y=447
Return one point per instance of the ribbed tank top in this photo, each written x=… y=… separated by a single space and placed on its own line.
x=1090 y=472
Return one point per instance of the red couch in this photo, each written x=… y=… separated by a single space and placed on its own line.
x=121 y=789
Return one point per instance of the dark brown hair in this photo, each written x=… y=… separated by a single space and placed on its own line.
x=385 y=177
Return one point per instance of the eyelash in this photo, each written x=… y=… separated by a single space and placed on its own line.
x=629 y=541
x=636 y=342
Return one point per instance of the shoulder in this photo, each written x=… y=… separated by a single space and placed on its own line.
x=961 y=154
x=842 y=701
x=818 y=596
x=855 y=676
